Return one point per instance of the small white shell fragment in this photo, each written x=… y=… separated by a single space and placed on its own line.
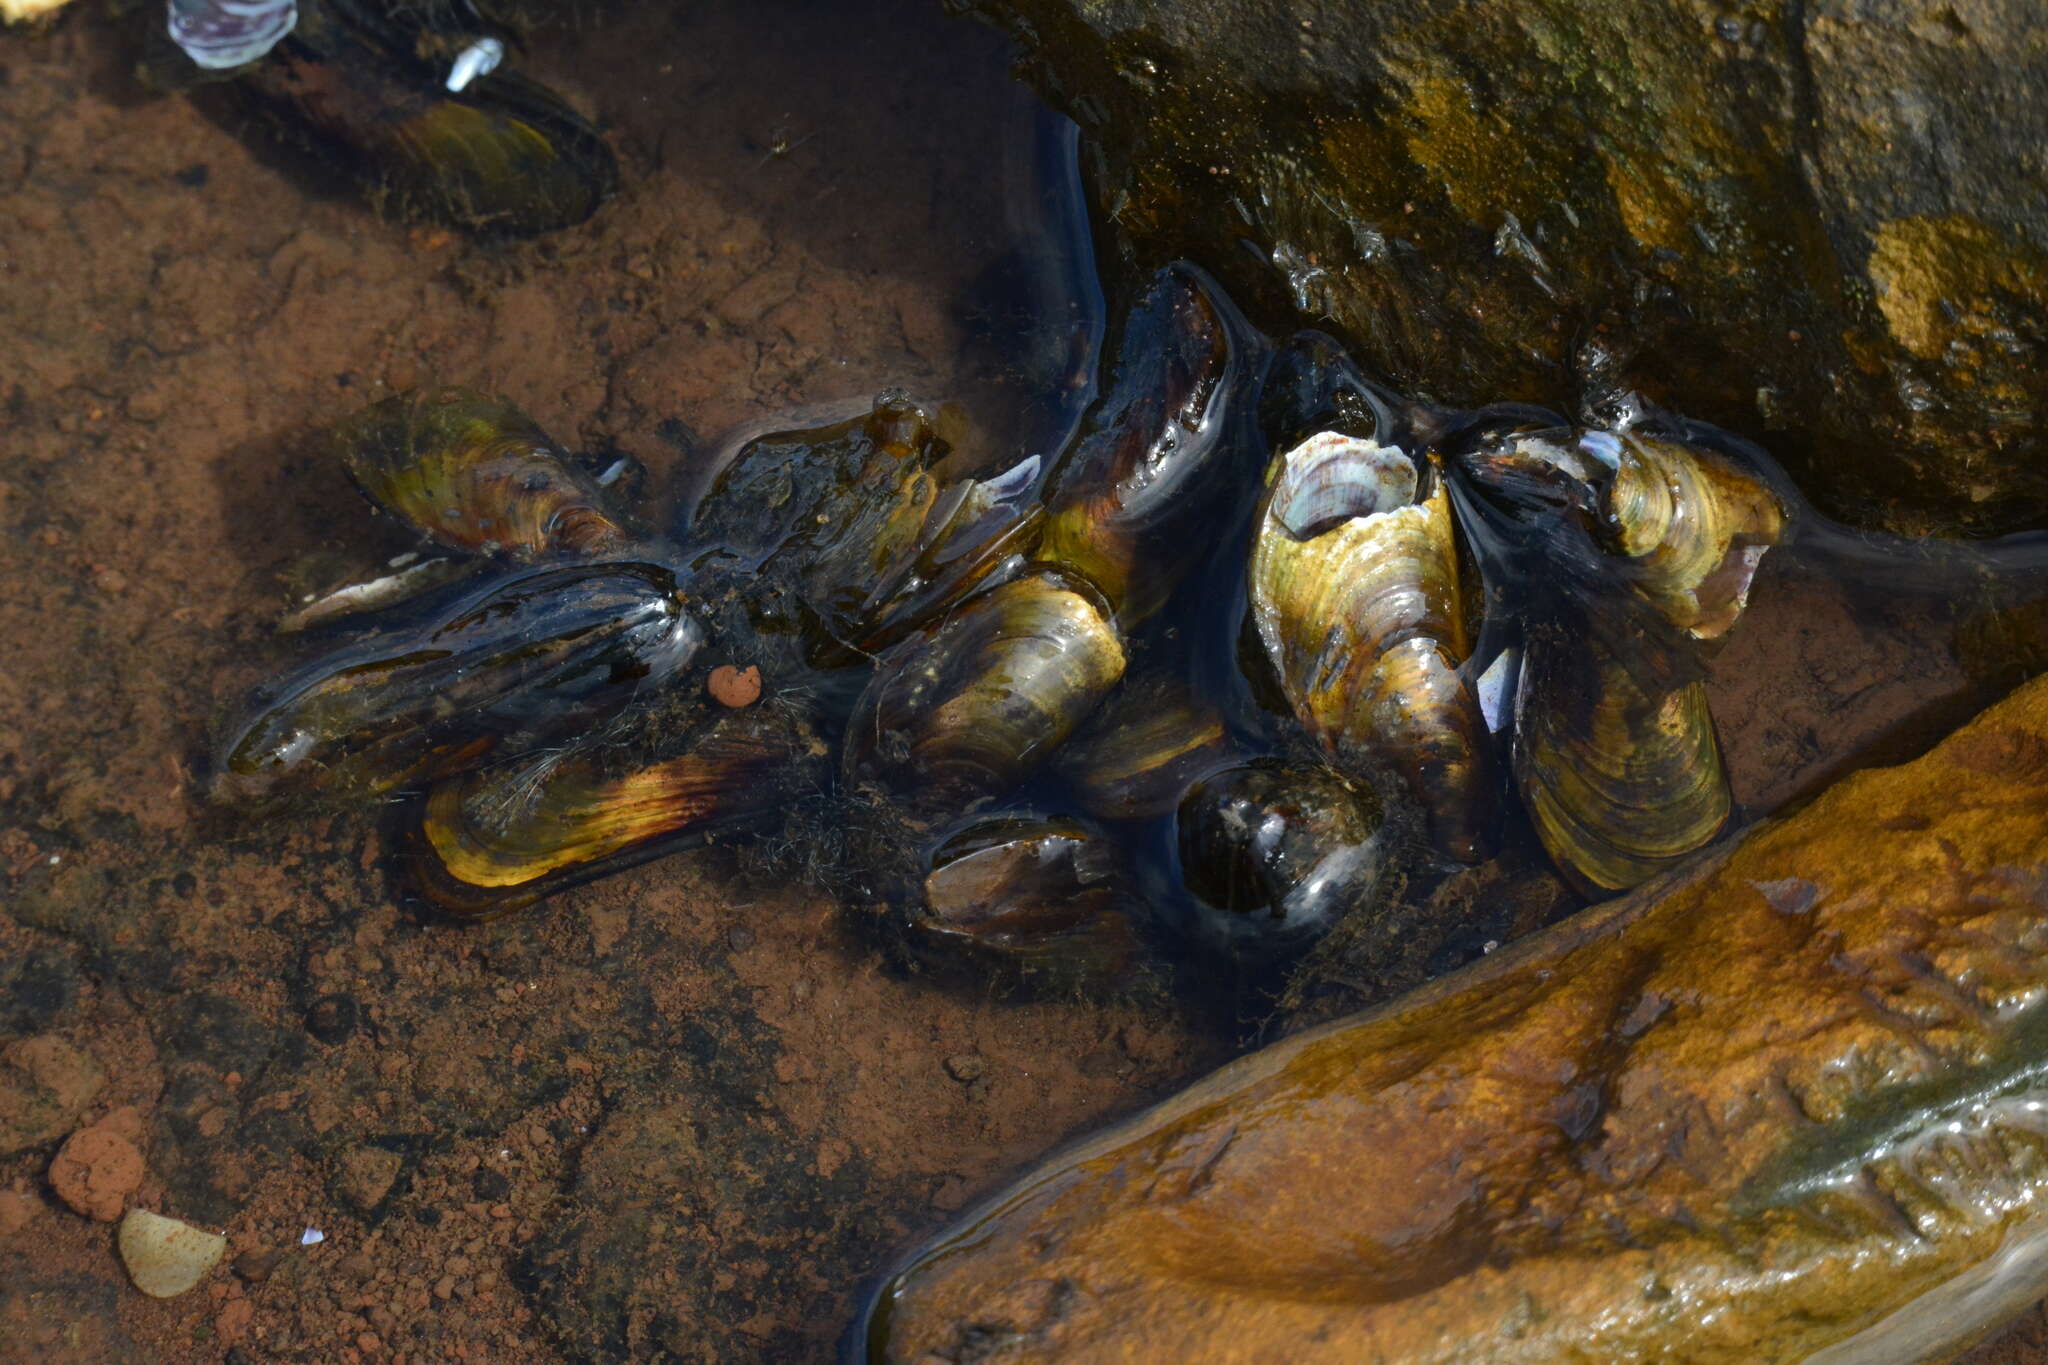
x=20 y=11
x=1495 y=689
x=312 y=1237
x=480 y=58
x=164 y=1256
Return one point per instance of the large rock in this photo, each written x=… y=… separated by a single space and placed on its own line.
x=1787 y=1106
x=1821 y=224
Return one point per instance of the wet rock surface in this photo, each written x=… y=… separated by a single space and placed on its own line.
x=1781 y=1102
x=1820 y=225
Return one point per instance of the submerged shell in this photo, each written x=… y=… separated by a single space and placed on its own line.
x=506 y=836
x=1028 y=901
x=964 y=712
x=516 y=659
x=1355 y=592
x=1279 y=852
x=475 y=473
x=503 y=156
x=222 y=34
x=1146 y=493
x=1621 y=774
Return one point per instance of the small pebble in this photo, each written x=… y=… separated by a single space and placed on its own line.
x=255 y=1264
x=96 y=1171
x=331 y=1018
x=735 y=687
x=17 y=1211
x=164 y=1256
x=965 y=1067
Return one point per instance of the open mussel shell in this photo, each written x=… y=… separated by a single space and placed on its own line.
x=507 y=663
x=1028 y=901
x=503 y=156
x=1354 y=585
x=853 y=518
x=1684 y=525
x=1148 y=489
x=1137 y=755
x=477 y=475
x=1616 y=759
x=1691 y=524
x=505 y=836
x=1278 y=852
x=963 y=712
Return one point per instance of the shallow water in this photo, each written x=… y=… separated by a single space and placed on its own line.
x=677 y=1110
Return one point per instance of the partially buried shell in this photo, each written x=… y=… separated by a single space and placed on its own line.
x=868 y=537
x=477 y=475
x=1278 y=852
x=960 y=714
x=513 y=661
x=1355 y=593
x=1147 y=490
x=1028 y=901
x=503 y=155
x=1138 y=754
x=506 y=836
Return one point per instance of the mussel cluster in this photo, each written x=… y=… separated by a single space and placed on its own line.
x=1261 y=642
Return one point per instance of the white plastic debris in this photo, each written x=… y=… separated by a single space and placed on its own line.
x=312 y=1237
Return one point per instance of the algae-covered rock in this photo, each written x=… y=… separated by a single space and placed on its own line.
x=1788 y=1105
x=1823 y=225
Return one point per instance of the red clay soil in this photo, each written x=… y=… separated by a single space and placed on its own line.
x=674 y=1111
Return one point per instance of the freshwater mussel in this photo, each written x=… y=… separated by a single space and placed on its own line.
x=1259 y=648
x=410 y=98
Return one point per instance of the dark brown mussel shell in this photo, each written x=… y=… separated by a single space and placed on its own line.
x=508 y=663
x=477 y=475
x=1150 y=487
x=505 y=156
x=868 y=537
x=505 y=836
x=1278 y=852
x=962 y=713
x=1138 y=754
x=1029 y=902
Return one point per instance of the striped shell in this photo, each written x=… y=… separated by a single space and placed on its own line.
x=1354 y=589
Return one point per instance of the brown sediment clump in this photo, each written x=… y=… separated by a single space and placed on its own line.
x=1785 y=1105
x=99 y=1167
x=735 y=687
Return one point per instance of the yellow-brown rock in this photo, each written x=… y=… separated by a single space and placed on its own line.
x=1789 y=1105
